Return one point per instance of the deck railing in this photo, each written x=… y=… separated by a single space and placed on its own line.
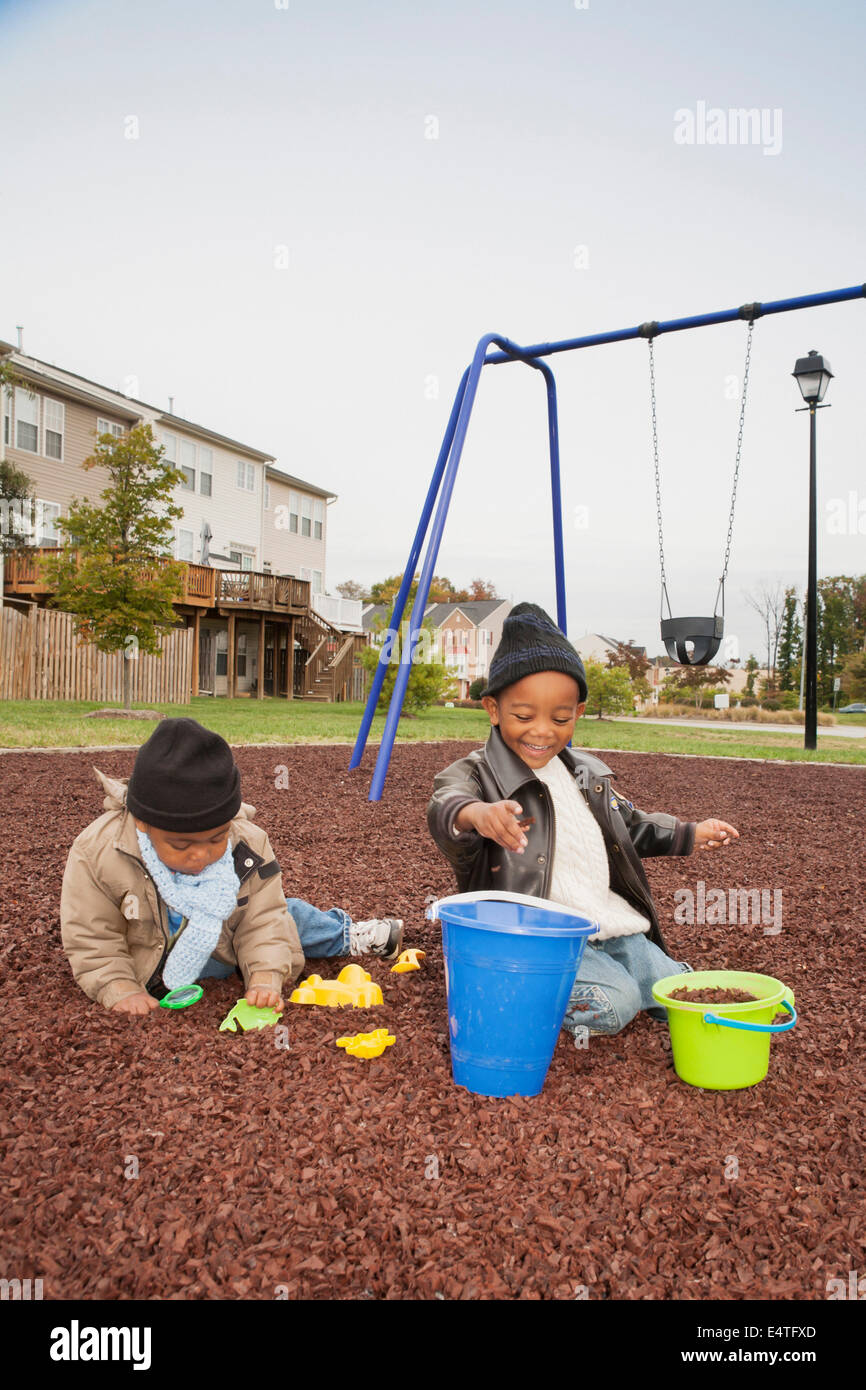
x=203 y=585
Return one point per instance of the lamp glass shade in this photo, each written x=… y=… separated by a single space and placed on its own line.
x=813 y=376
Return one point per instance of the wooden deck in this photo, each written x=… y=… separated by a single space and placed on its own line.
x=327 y=658
x=203 y=586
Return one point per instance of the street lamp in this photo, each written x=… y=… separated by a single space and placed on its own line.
x=813 y=376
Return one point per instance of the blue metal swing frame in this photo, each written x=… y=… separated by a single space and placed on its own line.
x=445 y=474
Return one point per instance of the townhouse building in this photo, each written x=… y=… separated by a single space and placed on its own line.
x=241 y=516
x=466 y=634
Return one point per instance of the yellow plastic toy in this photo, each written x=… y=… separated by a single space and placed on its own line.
x=368 y=1044
x=408 y=960
x=352 y=986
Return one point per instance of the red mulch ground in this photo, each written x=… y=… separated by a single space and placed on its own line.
x=311 y=1170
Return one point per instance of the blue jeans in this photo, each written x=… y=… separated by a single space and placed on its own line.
x=615 y=982
x=321 y=933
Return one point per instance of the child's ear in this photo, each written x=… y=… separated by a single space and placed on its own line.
x=492 y=707
x=581 y=707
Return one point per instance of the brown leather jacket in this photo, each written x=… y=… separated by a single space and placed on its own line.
x=494 y=773
x=114 y=925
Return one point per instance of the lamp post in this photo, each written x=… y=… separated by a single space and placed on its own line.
x=813 y=375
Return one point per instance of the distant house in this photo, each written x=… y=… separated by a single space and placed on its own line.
x=466 y=634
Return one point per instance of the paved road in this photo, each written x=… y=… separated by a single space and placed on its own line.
x=840 y=730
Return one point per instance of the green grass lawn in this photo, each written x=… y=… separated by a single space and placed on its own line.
x=45 y=724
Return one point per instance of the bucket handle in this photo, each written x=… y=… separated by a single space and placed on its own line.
x=757 y=1027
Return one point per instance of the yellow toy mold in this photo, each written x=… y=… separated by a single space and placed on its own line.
x=352 y=986
x=368 y=1044
x=408 y=960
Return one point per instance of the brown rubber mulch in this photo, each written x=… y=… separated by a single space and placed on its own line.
x=714 y=996
x=160 y=1158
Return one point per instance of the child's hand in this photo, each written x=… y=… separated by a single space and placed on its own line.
x=140 y=1003
x=262 y=996
x=502 y=821
x=709 y=834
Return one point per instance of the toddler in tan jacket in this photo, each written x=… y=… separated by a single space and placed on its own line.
x=175 y=882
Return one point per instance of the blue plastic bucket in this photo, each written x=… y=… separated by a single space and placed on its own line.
x=510 y=963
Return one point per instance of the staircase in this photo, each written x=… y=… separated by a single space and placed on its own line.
x=332 y=652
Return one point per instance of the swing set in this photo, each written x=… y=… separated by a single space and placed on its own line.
x=690 y=641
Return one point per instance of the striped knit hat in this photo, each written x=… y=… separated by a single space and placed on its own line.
x=531 y=642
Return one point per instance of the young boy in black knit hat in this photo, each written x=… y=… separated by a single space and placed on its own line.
x=527 y=814
x=175 y=883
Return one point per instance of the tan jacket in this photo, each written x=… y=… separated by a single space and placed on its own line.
x=114 y=926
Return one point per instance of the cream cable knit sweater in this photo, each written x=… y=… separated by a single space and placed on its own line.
x=581 y=874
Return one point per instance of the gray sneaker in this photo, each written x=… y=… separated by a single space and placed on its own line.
x=378 y=937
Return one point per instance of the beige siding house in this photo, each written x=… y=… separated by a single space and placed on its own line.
x=256 y=632
x=249 y=515
x=295 y=527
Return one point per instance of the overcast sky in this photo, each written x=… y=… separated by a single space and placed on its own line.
x=299 y=218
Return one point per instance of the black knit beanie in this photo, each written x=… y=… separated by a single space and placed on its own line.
x=184 y=778
x=531 y=642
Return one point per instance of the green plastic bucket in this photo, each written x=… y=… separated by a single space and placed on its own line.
x=724 y=1047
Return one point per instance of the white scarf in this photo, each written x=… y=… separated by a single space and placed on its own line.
x=205 y=899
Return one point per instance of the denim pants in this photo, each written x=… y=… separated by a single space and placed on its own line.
x=321 y=933
x=615 y=982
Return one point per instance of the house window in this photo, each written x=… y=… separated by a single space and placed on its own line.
x=26 y=421
x=187 y=464
x=246 y=476
x=46 y=515
x=222 y=652
x=54 y=417
x=169 y=443
x=205 y=471
x=317 y=581
x=110 y=427
x=267 y=497
x=318 y=518
x=306 y=516
x=241 y=560
x=294 y=511
x=7 y=421
x=184 y=544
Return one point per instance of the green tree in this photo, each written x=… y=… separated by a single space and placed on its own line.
x=609 y=689
x=751 y=668
x=840 y=627
x=16 y=509
x=630 y=659
x=692 y=680
x=790 y=642
x=476 y=688
x=115 y=574
x=853 y=675
x=429 y=680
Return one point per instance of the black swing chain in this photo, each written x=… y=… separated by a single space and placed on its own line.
x=739 y=449
x=658 y=484
x=736 y=467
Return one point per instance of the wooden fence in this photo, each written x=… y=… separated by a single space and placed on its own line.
x=41 y=659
